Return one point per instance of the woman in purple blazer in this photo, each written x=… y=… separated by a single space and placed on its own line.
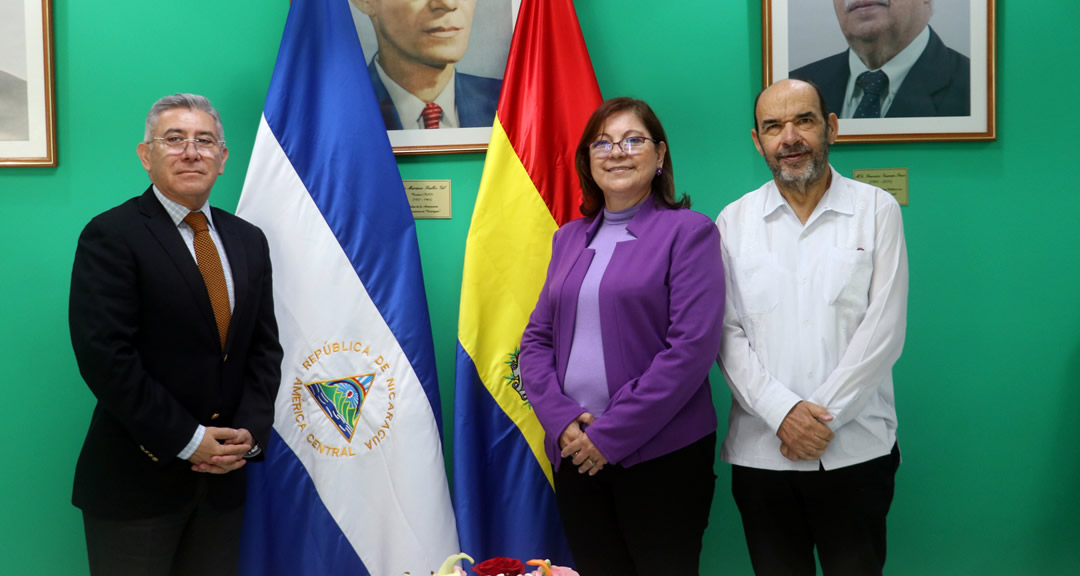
x=616 y=356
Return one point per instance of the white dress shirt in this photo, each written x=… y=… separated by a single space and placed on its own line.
x=814 y=312
x=896 y=69
x=409 y=107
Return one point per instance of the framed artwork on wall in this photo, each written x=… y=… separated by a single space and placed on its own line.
x=27 y=117
x=892 y=71
x=450 y=59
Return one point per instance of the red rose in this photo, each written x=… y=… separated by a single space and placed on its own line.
x=499 y=565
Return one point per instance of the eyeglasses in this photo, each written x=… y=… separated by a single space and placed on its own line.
x=177 y=145
x=630 y=145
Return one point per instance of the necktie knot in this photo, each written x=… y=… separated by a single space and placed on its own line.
x=874 y=86
x=873 y=82
x=432 y=114
x=197 y=221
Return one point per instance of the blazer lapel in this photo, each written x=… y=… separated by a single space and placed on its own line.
x=928 y=75
x=161 y=227
x=386 y=104
x=834 y=85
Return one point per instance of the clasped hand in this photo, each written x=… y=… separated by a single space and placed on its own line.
x=221 y=450
x=575 y=441
x=803 y=433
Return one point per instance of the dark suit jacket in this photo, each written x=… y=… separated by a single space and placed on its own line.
x=939 y=83
x=476 y=99
x=147 y=345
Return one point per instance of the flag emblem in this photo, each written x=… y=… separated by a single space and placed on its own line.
x=548 y=92
x=341 y=400
x=323 y=185
x=514 y=379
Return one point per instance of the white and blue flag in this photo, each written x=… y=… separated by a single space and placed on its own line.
x=354 y=481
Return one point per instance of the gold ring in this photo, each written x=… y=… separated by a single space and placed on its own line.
x=591 y=463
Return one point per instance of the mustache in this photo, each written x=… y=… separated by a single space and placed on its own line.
x=793 y=149
x=850 y=5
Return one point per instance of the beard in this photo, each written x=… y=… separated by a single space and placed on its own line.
x=802 y=177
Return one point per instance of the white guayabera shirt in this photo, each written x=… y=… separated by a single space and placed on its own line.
x=814 y=312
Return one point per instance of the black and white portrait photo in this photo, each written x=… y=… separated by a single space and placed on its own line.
x=890 y=69
x=26 y=84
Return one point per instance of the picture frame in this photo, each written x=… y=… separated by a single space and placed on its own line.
x=488 y=49
x=816 y=50
x=27 y=113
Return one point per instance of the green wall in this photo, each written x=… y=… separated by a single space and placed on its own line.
x=987 y=388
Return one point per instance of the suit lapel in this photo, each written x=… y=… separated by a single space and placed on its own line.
x=161 y=227
x=477 y=99
x=928 y=76
x=386 y=104
x=833 y=81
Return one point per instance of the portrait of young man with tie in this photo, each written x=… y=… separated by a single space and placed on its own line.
x=172 y=324
x=414 y=71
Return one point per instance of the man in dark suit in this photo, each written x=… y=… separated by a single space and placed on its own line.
x=896 y=65
x=413 y=72
x=172 y=323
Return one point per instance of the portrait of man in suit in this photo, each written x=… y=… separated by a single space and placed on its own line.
x=896 y=65
x=414 y=71
x=14 y=113
x=172 y=324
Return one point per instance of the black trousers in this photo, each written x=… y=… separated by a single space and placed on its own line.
x=841 y=512
x=643 y=520
x=196 y=541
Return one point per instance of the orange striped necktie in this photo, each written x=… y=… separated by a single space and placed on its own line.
x=206 y=256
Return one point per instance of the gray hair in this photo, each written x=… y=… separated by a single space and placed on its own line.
x=188 y=101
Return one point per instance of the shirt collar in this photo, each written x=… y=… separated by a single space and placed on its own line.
x=898 y=67
x=643 y=209
x=773 y=199
x=837 y=197
x=177 y=211
x=409 y=107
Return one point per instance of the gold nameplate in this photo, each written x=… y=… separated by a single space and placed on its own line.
x=429 y=199
x=892 y=180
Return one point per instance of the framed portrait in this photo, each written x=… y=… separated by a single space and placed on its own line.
x=27 y=127
x=892 y=71
x=410 y=71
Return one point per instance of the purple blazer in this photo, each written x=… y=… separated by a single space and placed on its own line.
x=661 y=309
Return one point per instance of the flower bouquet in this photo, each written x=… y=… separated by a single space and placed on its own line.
x=500 y=566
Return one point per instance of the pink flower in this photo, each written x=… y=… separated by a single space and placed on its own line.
x=546 y=569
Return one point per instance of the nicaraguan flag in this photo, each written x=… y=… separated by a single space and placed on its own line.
x=354 y=480
x=502 y=478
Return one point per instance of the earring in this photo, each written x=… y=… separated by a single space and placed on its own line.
x=659 y=170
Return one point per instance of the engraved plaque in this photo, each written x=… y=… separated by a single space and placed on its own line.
x=429 y=199
x=892 y=180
